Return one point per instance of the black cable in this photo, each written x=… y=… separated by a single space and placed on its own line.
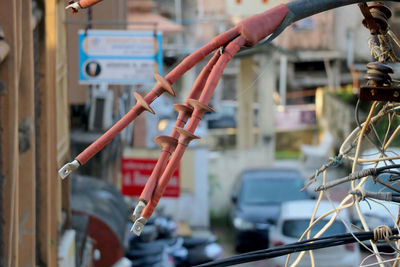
x=388 y=185
x=390 y=172
x=394 y=175
x=394 y=178
x=393 y=166
x=311 y=244
x=302 y=9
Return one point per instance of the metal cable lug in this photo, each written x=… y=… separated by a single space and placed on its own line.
x=68 y=168
x=386 y=196
x=138 y=210
x=164 y=84
x=75 y=6
x=143 y=102
x=138 y=226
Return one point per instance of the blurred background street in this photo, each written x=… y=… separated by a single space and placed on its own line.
x=282 y=110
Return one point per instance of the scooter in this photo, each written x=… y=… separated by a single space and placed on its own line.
x=159 y=245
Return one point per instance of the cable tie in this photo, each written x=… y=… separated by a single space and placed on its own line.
x=360 y=193
x=382 y=232
x=336 y=161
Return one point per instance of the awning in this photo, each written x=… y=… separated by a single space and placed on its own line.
x=150 y=22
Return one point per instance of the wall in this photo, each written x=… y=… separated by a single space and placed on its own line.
x=33 y=132
x=313 y=33
x=334 y=115
x=348 y=28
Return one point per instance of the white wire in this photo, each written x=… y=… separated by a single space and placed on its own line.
x=375 y=263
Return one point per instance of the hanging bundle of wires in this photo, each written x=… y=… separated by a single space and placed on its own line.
x=310 y=244
x=374 y=172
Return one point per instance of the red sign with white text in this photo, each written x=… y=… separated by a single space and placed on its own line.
x=136 y=172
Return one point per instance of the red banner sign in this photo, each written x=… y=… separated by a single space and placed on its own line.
x=136 y=172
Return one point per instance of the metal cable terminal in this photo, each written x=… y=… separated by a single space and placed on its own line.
x=138 y=210
x=68 y=168
x=75 y=6
x=378 y=74
x=138 y=226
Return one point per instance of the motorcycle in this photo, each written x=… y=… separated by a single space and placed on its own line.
x=159 y=245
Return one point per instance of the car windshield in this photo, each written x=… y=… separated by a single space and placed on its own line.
x=377 y=187
x=295 y=228
x=258 y=191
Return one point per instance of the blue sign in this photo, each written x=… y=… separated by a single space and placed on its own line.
x=119 y=56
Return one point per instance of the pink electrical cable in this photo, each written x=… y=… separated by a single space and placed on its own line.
x=200 y=107
x=246 y=33
x=252 y=30
x=168 y=143
x=144 y=103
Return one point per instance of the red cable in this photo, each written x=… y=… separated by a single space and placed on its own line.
x=88 y=3
x=251 y=30
x=174 y=75
x=198 y=113
x=180 y=122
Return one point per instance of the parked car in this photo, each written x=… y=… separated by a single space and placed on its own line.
x=293 y=221
x=256 y=199
x=378 y=212
x=225 y=115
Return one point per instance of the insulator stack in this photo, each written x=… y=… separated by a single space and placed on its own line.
x=380 y=15
x=378 y=74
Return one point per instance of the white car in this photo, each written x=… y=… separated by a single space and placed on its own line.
x=294 y=220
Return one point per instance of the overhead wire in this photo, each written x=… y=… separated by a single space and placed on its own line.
x=353 y=185
x=347 y=198
x=357 y=119
x=301 y=246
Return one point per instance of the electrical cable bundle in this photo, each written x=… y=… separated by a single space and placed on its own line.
x=374 y=172
x=261 y=29
x=310 y=244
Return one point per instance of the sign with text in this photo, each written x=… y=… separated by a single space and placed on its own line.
x=136 y=172
x=295 y=117
x=119 y=56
